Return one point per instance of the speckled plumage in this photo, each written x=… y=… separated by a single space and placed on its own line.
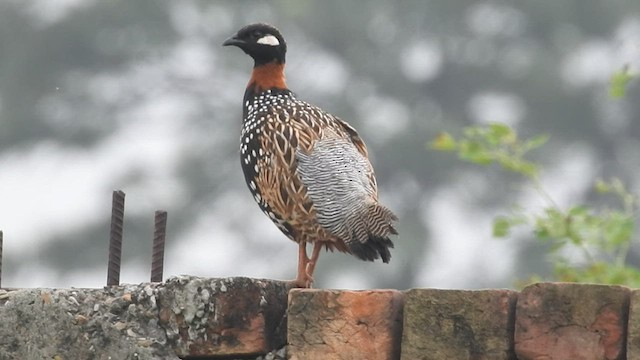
x=307 y=169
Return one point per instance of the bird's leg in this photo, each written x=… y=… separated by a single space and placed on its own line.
x=311 y=265
x=302 y=280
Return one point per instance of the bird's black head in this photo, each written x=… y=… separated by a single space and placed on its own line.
x=262 y=42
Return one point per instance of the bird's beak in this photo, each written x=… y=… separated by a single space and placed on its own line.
x=232 y=41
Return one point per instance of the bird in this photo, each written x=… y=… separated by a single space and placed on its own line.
x=308 y=170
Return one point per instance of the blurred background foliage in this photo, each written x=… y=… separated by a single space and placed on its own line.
x=602 y=236
x=140 y=96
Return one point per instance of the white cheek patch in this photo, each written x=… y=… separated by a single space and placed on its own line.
x=269 y=40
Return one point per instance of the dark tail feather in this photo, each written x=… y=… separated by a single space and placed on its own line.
x=374 y=248
x=376 y=244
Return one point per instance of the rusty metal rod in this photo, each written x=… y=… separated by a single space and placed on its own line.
x=1 y=240
x=115 y=238
x=159 y=236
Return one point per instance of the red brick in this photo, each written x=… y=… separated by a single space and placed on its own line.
x=571 y=321
x=458 y=324
x=633 y=332
x=331 y=324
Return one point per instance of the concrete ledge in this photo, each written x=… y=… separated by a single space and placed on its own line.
x=226 y=317
x=82 y=324
x=184 y=317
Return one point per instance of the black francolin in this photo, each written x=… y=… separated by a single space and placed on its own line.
x=307 y=169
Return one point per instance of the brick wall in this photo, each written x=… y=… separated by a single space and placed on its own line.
x=241 y=318
x=546 y=321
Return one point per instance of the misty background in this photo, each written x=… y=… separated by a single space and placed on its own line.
x=140 y=96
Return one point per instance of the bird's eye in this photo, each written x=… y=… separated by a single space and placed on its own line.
x=257 y=34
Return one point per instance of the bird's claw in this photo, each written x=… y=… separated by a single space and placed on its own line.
x=302 y=282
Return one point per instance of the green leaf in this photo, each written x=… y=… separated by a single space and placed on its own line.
x=501 y=226
x=519 y=166
x=536 y=142
x=619 y=82
x=443 y=142
x=542 y=233
x=602 y=186
x=552 y=225
x=578 y=211
x=528 y=169
x=500 y=134
x=618 y=229
x=500 y=129
x=472 y=132
x=475 y=152
x=618 y=186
